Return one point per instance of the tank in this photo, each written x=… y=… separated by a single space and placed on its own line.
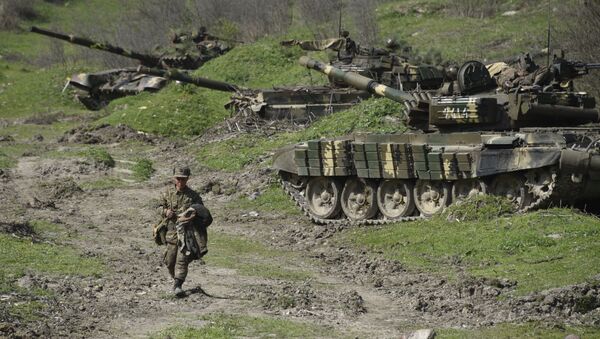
x=380 y=64
x=99 y=88
x=299 y=104
x=532 y=145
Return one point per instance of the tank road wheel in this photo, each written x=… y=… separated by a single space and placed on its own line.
x=431 y=196
x=323 y=196
x=395 y=199
x=511 y=186
x=467 y=188
x=358 y=199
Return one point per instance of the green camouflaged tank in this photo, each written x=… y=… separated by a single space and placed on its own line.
x=526 y=144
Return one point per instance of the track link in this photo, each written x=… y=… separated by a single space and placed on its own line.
x=300 y=201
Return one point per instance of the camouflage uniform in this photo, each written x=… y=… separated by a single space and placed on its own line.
x=527 y=73
x=177 y=262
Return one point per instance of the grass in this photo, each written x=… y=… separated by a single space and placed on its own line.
x=42 y=258
x=526 y=330
x=235 y=326
x=368 y=116
x=6 y=161
x=142 y=169
x=20 y=256
x=251 y=258
x=539 y=250
x=273 y=200
x=10 y=154
x=188 y=110
x=463 y=38
x=99 y=156
x=28 y=91
x=27 y=311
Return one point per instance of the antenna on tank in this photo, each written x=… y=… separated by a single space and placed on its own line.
x=340 y=20
x=548 y=37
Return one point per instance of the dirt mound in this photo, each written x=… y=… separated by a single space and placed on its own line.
x=285 y=296
x=105 y=134
x=353 y=303
x=572 y=300
x=67 y=167
x=6 y=138
x=44 y=118
x=5 y=174
x=47 y=193
x=16 y=228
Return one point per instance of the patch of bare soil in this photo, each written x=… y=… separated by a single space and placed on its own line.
x=105 y=134
x=348 y=289
x=16 y=228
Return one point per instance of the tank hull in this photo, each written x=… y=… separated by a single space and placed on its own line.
x=370 y=178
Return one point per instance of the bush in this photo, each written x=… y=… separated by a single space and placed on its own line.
x=100 y=157
x=142 y=170
x=13 y=11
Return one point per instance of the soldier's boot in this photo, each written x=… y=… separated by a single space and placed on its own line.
x=177 y=290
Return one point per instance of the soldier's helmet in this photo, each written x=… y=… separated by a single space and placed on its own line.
x=451 y=72
x=345 y=33
x=181 y=172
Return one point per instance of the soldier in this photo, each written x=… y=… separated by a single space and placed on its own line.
x=175 y=210
x=349 y=50
x=527 y=73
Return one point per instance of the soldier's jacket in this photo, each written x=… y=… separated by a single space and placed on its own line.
x=505 y=75
x=178 y=202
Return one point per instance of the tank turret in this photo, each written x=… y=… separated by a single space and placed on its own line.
x=298 y=104
x=173 y=74
x=96 y=90
x=478 y=106
x=185 y=61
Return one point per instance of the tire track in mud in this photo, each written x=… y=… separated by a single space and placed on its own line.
x=348 y=289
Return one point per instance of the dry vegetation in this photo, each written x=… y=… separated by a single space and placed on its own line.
x=581 y=38
x=13 y=11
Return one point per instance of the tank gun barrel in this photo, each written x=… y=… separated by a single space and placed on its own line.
x=198 y=81
x=357 y=81
x=145 y=59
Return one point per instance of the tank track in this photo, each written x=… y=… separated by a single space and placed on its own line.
x=300 y=201
x=298 y=198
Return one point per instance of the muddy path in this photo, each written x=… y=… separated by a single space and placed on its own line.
x=349 y=290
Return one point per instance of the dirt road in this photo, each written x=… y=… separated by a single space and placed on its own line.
x=265 y=264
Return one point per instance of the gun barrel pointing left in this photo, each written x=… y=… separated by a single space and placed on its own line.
x=145 y=59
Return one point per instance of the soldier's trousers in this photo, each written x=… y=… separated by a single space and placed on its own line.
x=177 y=263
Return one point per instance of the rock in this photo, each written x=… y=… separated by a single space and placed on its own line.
x=549 y=300
x=509 y=13
x=25 y=282
x=420 y=334
x=38 y=138
x=572 y=336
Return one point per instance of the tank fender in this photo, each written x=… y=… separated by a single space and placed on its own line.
x=283 y=160
x=497 y=161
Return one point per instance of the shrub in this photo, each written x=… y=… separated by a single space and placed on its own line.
x=100 y=157
x=13 y=11
x=142 y=170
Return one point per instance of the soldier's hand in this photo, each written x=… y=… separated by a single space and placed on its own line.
x=169 y=213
